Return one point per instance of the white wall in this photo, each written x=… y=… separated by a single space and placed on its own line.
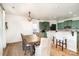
x=1 y=47
x=1 y=36
x=16 y=26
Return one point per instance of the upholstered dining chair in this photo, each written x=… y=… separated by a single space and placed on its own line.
x=23 y=44
x=27 y=47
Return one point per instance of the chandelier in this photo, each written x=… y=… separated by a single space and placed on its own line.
x=29 y=16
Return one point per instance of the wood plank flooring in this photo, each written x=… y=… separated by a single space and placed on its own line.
x=15 y=49
x=58 y=52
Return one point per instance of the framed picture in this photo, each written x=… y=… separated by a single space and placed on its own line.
x=6 y=26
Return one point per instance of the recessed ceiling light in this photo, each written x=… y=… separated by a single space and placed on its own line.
x=57 y=6
x=54 y=17
x=70 y=12
x=13 y=7
x=74 y=15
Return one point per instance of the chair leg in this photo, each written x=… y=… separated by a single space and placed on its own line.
x=56 y=43
x=24 y=52
x=59 y=42
x=33 y=50
x=53 y=40
x=62 y=45
x=65 y=43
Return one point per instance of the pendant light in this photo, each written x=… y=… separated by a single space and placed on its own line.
x=29 y=16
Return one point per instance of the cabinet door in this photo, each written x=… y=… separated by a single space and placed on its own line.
x=75 y=24
x=44 y=25
x=68 y=23
x=61 y=25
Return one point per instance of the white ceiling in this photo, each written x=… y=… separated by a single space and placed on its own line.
x=48 y=11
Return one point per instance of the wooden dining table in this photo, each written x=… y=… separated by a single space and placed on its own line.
x=31 y=41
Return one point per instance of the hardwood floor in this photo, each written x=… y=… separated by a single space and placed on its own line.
x=15 y=49
x=58 y=52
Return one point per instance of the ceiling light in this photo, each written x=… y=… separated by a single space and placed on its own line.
x=70 y=12
x=56 y=6
x=74 y=15
x=13 y=7
x=54 y=17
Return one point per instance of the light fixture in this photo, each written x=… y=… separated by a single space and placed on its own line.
x=70 y=12
x=74 y=15
x=13 y=7
x=29 y=16
x=54 y=17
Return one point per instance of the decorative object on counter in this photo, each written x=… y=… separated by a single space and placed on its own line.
x=56 y=31
x=72 y=33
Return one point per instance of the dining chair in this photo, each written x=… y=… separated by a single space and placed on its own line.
x=27 y=47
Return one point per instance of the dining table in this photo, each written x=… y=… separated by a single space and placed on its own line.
x=31 y=41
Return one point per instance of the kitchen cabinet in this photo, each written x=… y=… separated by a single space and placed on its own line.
x=74 y=24
x=44 y=25
x=61 y=25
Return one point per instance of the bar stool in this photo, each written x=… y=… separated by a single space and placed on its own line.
x=53 y=40
x=61 y=43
